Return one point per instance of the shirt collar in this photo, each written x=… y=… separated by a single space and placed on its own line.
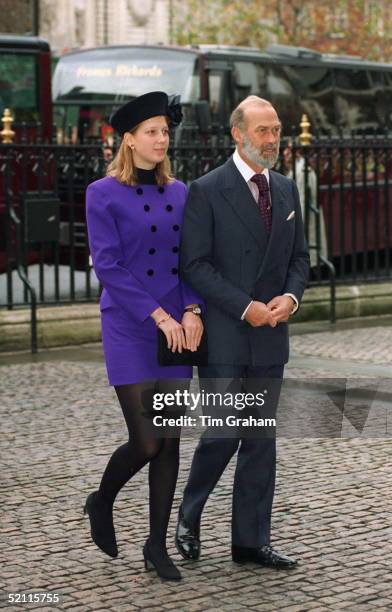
x=245 y=170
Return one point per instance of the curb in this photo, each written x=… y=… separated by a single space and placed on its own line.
x=76 y=324
x=351 y=301
x=56 y=326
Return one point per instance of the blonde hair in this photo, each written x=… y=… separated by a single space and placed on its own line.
x=123 y=168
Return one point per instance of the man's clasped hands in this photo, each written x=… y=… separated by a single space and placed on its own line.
x=277 y=310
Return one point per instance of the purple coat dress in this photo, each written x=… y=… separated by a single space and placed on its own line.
x=134 y=237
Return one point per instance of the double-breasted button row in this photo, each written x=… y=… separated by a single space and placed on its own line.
x=139 y=190
x=152 y=251
x=154 y=228
x=147 y=207
x=150 y=272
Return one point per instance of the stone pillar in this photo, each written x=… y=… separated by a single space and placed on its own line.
x=162 y=17
x=90 y=21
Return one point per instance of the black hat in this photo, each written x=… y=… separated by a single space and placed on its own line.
x=144 y=107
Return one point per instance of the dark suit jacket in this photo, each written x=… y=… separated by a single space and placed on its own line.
x=227 y=258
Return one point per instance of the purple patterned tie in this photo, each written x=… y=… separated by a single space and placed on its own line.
x=264 y=202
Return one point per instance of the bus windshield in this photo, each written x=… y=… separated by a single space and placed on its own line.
x=18 y=85
x=114 y=74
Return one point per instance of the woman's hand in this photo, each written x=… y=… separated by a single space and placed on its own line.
x=174 y=334
x=193 y=328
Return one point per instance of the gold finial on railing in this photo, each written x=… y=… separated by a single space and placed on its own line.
x=305 y=136
x=7 y=134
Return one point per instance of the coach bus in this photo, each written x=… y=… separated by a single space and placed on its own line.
x=339 y=94
x=336 y=92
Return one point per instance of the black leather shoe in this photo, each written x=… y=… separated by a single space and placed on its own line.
x=161 y=562
x=187 y=539
x=100 y=513
x=264 y=555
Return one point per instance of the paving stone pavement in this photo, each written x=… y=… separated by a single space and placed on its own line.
x=60 y=422
x=374 y=346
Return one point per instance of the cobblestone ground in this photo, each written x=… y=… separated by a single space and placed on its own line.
x=374 y=346
x=60 y=422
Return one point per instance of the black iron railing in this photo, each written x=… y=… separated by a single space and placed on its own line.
x=345 y=188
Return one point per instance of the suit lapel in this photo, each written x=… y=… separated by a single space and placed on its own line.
x=240 y=198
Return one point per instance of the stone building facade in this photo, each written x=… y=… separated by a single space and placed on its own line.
x=71 y=24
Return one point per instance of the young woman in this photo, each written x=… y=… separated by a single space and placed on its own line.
x=134 y=218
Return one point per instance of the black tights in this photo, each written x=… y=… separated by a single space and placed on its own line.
x=144 y=446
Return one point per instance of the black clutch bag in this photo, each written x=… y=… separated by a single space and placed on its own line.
x=187 y=358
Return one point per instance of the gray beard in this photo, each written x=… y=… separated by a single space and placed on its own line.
x=253 y=153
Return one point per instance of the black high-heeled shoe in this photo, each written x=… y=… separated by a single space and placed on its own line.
x=162 y=564
x=101 y=522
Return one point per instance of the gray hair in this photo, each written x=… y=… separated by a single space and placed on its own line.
x=237 y=117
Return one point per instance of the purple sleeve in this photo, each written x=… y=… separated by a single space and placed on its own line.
x=124 y=289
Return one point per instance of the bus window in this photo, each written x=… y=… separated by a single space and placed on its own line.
x=92 y=124
x=18 y=86
x=192 y=89
x=315 y=91
x=97 y=81
x=248 y=78
x=220 y=98
x=116 y=74
x=354 y=100
x=215 y=86
x=282 y=95
x=82 y=123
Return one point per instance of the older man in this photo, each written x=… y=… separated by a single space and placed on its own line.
x=243 y=250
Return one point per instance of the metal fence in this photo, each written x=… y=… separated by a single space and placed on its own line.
x=345 y=189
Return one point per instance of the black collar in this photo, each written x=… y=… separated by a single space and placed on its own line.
x=146 y=177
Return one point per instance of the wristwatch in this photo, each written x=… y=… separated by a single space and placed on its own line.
x=195 y=309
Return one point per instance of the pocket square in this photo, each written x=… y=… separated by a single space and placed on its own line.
x=291 y=215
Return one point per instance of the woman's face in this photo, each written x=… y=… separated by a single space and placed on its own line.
x=149 y=142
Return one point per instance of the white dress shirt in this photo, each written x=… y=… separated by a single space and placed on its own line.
x=247 y=172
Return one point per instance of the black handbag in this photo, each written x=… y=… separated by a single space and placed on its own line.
x=187 y=358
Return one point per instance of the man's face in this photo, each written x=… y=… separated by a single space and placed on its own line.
x=260 y=139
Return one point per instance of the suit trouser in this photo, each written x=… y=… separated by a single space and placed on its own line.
x=254 y=480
